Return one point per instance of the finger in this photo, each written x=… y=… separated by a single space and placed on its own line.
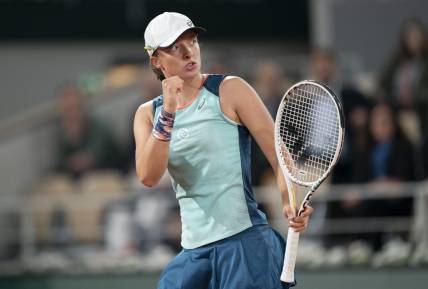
x=300 y=219
x=288 y=212
x=298 y=226
x=301 y=230
x=298 y=229
x=307 y=211
x=297 y=223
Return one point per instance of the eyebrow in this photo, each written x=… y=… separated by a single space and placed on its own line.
x=195 y=35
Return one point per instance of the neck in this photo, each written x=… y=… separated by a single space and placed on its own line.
x=191 y=89
x=192 y=84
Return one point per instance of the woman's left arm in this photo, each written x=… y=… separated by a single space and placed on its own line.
x=240 y=102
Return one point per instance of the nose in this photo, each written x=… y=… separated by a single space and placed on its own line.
x=187 y=51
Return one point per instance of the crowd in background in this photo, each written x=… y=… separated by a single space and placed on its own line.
x=386 y=142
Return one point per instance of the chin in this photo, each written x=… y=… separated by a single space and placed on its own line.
x=191 y=74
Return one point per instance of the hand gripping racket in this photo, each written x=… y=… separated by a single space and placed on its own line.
x=309 y=131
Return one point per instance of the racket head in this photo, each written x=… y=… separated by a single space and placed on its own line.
x=309 y=132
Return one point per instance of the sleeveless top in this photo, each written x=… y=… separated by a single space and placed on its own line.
x=209 y=164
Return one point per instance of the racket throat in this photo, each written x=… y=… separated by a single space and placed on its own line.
x=305 y=202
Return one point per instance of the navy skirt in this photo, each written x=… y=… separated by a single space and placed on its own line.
x=251 y=259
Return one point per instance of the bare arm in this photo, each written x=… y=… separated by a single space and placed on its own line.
x=241 y=103
x=151 y=154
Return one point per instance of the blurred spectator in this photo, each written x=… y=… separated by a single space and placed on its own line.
x=84 y=142
x=118 y=230
x=405 y=79
x=157 y=217
x=221 y=64
x=387 y=158
x=268 y=81
x=391 y=157
x=324 y=68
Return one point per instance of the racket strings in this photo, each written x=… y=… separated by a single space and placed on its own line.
x=309 y=129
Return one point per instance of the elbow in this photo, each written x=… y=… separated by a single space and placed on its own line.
x=146 y=180
x=148 y=183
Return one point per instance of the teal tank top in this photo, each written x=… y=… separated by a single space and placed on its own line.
x=209 y=163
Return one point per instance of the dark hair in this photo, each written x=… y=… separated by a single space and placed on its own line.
x=158 y=72
x=394 y=114
x=403 y=52
x=326 y=52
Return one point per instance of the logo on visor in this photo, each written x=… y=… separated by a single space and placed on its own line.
x=189 y=23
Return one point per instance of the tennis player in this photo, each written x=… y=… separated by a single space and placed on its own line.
x=199 y=130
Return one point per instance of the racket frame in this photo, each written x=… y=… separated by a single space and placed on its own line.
x=287 y=274
x=339 y=109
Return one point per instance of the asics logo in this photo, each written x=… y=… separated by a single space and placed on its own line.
x=201 y=105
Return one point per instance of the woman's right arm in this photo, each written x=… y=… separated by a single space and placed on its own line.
x=151 y=154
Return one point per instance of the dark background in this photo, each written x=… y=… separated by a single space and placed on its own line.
x=126 y=19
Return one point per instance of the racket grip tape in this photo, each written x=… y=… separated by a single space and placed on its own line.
x=287 y=274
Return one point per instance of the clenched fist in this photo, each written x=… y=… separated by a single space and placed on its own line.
x=299 y=223
x=171 y=87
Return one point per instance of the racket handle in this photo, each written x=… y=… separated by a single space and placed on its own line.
x=287 y=274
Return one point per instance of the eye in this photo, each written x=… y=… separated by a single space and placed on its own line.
x=195 y=40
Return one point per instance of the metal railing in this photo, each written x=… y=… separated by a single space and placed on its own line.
x=414 y=224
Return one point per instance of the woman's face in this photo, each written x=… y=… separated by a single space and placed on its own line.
x=323 y=67
x=182 y=58
x=414 y=39
x=381 y=123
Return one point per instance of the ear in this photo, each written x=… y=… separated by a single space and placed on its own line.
x=155 y=61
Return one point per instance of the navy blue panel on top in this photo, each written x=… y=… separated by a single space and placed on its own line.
x=158 y=101
x=256 y=216
x=212 y=83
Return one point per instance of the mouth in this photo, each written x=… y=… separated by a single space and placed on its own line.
x=190 y=66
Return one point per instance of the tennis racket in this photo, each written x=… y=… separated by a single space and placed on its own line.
x=309 y=131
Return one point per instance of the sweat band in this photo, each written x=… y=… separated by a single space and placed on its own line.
x=163 y=128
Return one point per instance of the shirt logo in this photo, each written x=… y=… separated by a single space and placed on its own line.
x=201 y=105
x=183 y=133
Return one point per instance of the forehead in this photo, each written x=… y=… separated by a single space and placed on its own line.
x=381 y=111
x=186 y=35
x=322 y=57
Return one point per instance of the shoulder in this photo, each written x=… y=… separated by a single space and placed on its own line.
x=146 y=110
x=237 y=98
x=221 y=85
x=236 y=88
x=233 y=83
